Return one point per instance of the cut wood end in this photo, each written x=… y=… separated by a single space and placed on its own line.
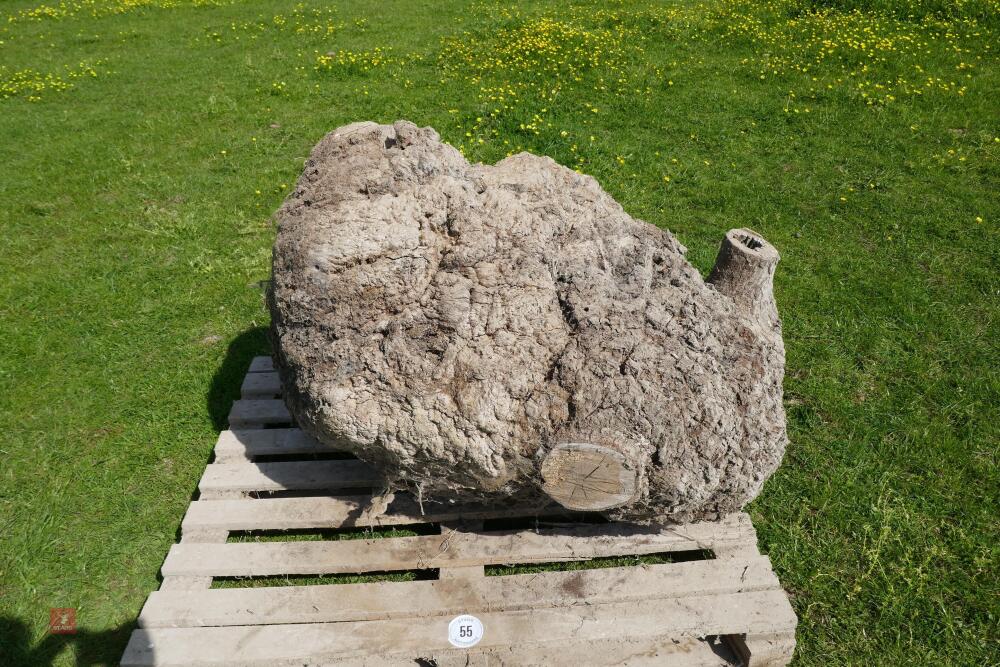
x=588 y=477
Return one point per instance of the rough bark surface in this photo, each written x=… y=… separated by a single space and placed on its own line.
x=457 y=324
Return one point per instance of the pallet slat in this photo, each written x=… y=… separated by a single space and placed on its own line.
x=643 y=652
x=258 y=412
x=266 y=384
x=245 y=559
x=328 y=512
x=756 y=612
x=462 y=529
x=261 y=365
x=765 y=649
x=287 y=475
x=354 y=602
x=184 y=583
x=250 y=443
x=666 y=613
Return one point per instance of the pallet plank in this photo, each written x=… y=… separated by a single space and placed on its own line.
x=258 y=412
x=751 y=613
x=265 y=384
x=638 y=615
x=434 y=551
x=463 y=529
x=200 y=583
x=765 y=649
x=643 y=652
x=329 y=512
x=261 y=365
x=249 y=443
x=287 y=475
x=355 y=602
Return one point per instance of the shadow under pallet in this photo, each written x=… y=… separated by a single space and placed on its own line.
x=279 y=517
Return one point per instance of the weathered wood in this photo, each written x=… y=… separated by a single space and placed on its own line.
x=764 y=650
x=287 y=475
x=644 y=652
x=434 y=551
x=197 y=583
x=266 y=384
x=327 y=512
x=588 y=477
x=640 y=615
x=754 y=612
x=354 y=602
x=641 y=652
x=258 y=412
x=458 y=532
x=261 y=365
x=249 y=443
x=185 y=583
x=737 y=550
x=744 y=271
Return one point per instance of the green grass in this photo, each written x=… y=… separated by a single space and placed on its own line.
x=135 y=214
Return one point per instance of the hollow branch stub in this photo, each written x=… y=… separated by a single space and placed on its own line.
x=744 y=271
x=588 y=477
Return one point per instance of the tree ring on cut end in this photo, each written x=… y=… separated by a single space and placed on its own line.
x=588 y=477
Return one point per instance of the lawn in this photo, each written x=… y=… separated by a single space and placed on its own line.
x=144 y=145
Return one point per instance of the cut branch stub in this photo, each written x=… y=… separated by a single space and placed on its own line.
x=744 y=271
x=584 y=476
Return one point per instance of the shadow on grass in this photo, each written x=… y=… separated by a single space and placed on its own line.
x=106 y=647
x=92 y=648
x=226 y=382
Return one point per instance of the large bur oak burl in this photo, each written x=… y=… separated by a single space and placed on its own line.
x=480 y=332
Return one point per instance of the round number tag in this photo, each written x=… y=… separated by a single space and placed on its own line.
x=465 y=631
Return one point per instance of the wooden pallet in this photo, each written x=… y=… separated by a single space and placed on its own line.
x=268 y=476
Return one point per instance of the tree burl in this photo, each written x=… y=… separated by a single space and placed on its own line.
x=485 y=332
